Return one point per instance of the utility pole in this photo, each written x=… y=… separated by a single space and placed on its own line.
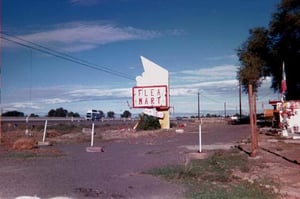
x=240 y=98
x=225 y=109
x=252 y=115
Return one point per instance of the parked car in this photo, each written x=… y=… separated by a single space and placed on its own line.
x=239 y=120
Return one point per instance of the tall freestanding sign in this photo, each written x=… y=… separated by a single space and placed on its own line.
x=152 y=92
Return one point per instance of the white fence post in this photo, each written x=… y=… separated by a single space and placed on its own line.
x=200 y=137
x=45 y=130
x=92 y=135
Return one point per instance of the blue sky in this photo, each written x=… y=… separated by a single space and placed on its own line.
x=195 y=40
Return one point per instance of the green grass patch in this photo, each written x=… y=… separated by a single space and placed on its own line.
x=213 y=177
x=19 y=155
x=28 y=155
x=155 y=152
x=241 y=190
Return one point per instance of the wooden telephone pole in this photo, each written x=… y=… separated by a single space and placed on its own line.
x=252 y=115
x=240 y=98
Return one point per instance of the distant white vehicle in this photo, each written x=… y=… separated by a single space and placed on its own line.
x=234 y=118
x=93 y=115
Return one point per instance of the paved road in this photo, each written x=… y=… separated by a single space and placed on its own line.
x=115 y=173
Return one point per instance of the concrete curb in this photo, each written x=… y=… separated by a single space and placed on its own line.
x=209 y=147
x=94 y=149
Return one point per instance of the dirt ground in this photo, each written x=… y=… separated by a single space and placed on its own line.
x=279 y=157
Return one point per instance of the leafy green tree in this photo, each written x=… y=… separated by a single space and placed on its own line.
x=252 y=55
x=13 y=114
x=59 y=112
x=51 y=113
x=284 y=34
x=111 y=114
x=72 y=114
x=126 y=114
x=33 y=115
x=265 y=51
x=101 y=113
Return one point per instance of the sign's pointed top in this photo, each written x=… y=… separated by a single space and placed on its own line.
x=150 y=65
x=153 y=74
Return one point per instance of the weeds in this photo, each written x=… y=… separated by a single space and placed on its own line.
x=20 y=155
x=65 y=128
x=213 y=177
x=28 y=155
x=148 y=123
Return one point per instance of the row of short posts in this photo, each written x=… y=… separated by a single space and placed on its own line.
x=44 y=143
x=100 y=149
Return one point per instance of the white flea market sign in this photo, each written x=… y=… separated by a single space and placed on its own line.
x=150 y=96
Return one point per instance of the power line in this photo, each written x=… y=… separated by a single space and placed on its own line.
x=228 y=104
x=214 y=100
x=49 y=51
x=105 y=69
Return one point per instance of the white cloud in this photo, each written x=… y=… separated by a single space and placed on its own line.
x=216 y=85
x=213 y=86
x=225 y=57
x=217 y=82
x=209 y=74
x=96 y=92
x=223 y=71
x=79 y=36
x=46 y=98
x=20 y=105
x=55 y=101
x=77 y=48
